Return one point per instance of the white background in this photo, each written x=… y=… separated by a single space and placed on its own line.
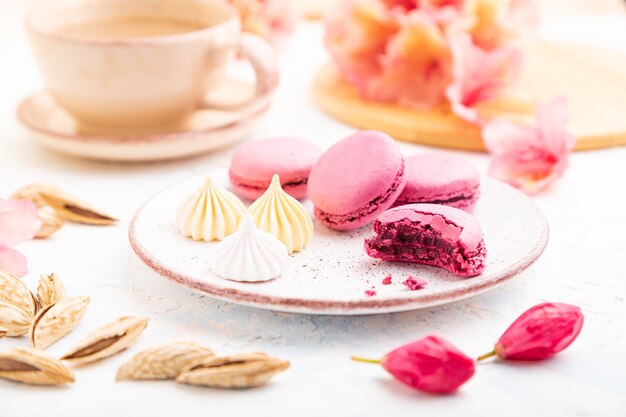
x=584 y=264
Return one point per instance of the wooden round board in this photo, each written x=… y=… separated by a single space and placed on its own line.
x=332 y=275
x=593 y=79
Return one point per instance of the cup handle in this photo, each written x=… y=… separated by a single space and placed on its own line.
x=260 y=54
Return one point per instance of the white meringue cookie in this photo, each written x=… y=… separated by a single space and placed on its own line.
x=249 y=254
x=283 y=216
x=211 y=213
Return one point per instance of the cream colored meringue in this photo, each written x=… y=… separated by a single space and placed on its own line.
x=211 y=213
x=249 y=255
x=283 y=216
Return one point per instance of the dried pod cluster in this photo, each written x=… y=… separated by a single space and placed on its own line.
x=190 y=363
x=57 y=320
x=32 y=366
x=46 y=317
x=57 y=207
x=51 y=315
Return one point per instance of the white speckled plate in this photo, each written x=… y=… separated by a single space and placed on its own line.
x=332 y=274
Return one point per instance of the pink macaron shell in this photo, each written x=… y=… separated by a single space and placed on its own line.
x=440 y=178
x=456 y=227
x=356 y=179
x=254 y=163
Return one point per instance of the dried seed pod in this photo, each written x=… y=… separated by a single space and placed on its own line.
x=50 y=290
x=50 y=223
x=14 y=291
x=246 y=370
x=107 y=340
x=57 y=320
x=65 y=206
x=33 y=367
x=163 y=362
x=30 y=192
x=15 y=320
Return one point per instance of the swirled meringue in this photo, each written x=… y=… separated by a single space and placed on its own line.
x=211 y=213
x=249 y=255
x=283 y=216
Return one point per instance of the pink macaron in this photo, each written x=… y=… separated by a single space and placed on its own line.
x=356 y=179
x=254 y=164
x=440 y=178
x=430 y=234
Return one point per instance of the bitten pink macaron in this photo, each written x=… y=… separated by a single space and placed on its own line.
x=430 y=234
x=254 y=164
x=356 y=179
x=440 y=178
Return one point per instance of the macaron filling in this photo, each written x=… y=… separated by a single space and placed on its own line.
x=412 y=241
x=262 y=185
x=459 y=199
x=371 y=207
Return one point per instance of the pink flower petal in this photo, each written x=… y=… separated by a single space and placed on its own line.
x=406 y=5
x=551 y=120
x=12 y=262
x=530 y=157
x=356 y=35
x=270 y=19
x=416 y=65
x=493 y=23
x=19 y=221
x=502 y=136
x=479 y=75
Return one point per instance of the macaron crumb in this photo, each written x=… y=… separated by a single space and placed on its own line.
x=387 y=280
x=413 y=283
x=370 y=293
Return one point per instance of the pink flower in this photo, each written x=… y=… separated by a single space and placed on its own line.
x=530 y=157
x=390 y=54
x=356 y=36
x=19 y=221
x=430 y=364
x=491 y=23
x=415 y=67
x=271 y=19
x=540 y=332
x=399 y=51
x=478 y=74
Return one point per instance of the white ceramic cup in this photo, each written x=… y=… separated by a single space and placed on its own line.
x=143 y=83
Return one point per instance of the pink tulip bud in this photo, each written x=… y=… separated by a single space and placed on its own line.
x=539 y=333
x=430 y=364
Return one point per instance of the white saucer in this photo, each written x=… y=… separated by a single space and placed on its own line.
x=204 y=131
x=332 y=274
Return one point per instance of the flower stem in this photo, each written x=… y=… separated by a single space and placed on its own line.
x=366 y=360
x=486 y=355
